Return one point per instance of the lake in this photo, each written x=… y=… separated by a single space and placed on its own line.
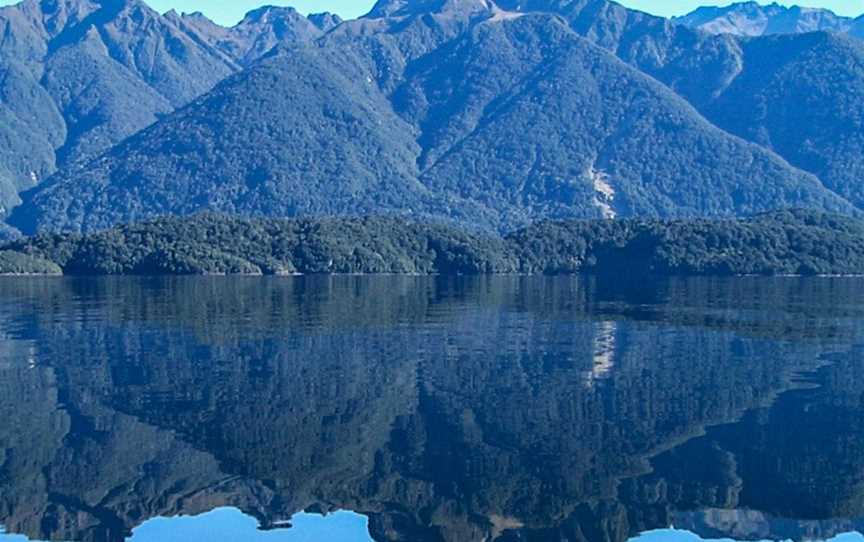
x=431 y=409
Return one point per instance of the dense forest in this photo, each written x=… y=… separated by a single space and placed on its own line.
x=788 y=242
x=443 y=110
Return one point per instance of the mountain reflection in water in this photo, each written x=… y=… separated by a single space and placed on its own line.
x=440 y=409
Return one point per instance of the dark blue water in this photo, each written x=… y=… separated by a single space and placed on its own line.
x=431 y=409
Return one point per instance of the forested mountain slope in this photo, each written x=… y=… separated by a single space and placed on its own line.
x=467 y=111
x=803 y=97
x=494 y=114
x=78 y=76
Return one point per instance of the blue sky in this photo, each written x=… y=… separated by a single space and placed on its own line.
x=230 y=11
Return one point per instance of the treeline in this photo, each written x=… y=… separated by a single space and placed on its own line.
x=789 y=242
x=216 y=244
x=780 y=243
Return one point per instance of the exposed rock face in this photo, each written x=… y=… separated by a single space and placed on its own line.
x=260 y=31
x=754 y=19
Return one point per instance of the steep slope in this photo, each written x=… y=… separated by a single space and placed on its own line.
x=325 y=21
x=754 y=19
x=96 y=59
x=687 y=60
x=494 y=118
x=31 y=127
x=321 y=145
x=260 y=31
x=798 y=95
x=803 y=97
x=856 y=30
x=78 y=76
x=572 y=131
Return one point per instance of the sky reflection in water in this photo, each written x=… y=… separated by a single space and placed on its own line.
x=440 y=410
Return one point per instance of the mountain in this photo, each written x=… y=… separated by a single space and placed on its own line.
x=797 y=95
x=801 y=96
x=258 y=32
x=493 y=114
x=79 y=76
x=490 y=114
x=325 y=21
x=754 y=19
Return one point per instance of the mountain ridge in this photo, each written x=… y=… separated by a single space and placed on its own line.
x=78 y=76
x=395 y=126
x=490 y=113
x=751 y=18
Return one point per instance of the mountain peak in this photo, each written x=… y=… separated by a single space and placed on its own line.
x=325 y=21
x=754 y=19
x=266 y=14
x=50 y=18
x=406 y=8
x=194 y=16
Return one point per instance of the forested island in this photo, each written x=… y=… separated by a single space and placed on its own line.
x=778 y=243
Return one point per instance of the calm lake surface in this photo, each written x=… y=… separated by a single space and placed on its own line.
x=431 y=409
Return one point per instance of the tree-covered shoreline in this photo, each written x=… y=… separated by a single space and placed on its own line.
x=779 y=243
